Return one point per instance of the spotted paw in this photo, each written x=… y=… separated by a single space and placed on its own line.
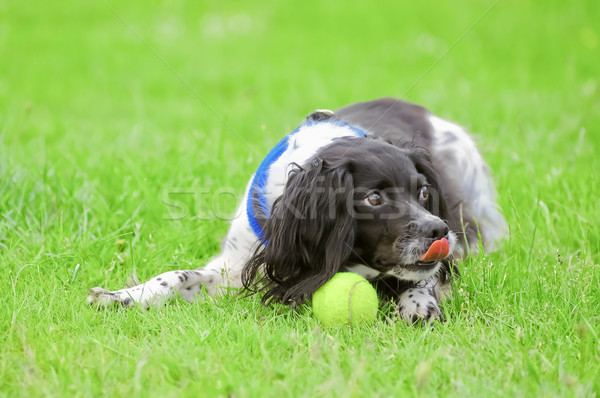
x=100 y=297
x=418 y=307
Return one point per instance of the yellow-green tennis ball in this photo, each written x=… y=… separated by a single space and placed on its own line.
x=347 y=298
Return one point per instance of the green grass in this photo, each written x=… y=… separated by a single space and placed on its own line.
x=96 y=133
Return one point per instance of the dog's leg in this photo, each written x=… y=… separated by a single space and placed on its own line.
x=420 y=304
x=220 y=276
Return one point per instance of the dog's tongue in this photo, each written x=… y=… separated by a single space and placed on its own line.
x=437 y=251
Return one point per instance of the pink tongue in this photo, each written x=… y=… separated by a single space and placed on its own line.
x=437 y=251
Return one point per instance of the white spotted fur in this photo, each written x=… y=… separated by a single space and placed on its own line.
x=466 y=169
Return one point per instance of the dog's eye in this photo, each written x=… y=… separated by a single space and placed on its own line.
x=374 y=199
x=424 y=194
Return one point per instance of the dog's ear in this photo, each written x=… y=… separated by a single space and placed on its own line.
x=436 y=204
x=308 y=236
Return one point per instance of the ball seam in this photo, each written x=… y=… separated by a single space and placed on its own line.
x=350 y=300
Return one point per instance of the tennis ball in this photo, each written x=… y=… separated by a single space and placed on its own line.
x=347 y=298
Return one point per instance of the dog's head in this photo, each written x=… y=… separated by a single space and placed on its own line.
x=358 y=201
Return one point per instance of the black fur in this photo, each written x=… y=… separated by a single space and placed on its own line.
x=322 y=221
x=309 y=234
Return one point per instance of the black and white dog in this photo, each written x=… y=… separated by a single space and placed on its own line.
x=381 y=188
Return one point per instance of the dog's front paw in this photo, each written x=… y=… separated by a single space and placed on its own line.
x=99 y=297
x=419 y=307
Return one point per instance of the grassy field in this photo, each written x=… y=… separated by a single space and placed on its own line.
x=112 y=112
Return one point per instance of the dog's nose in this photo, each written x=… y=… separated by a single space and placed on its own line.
x=436 y=229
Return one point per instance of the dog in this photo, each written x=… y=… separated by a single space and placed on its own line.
x=382 y=188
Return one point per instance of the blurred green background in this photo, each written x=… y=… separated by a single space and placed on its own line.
x=107 y=108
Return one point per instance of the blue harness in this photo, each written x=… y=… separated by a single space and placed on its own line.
x=257 y=201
